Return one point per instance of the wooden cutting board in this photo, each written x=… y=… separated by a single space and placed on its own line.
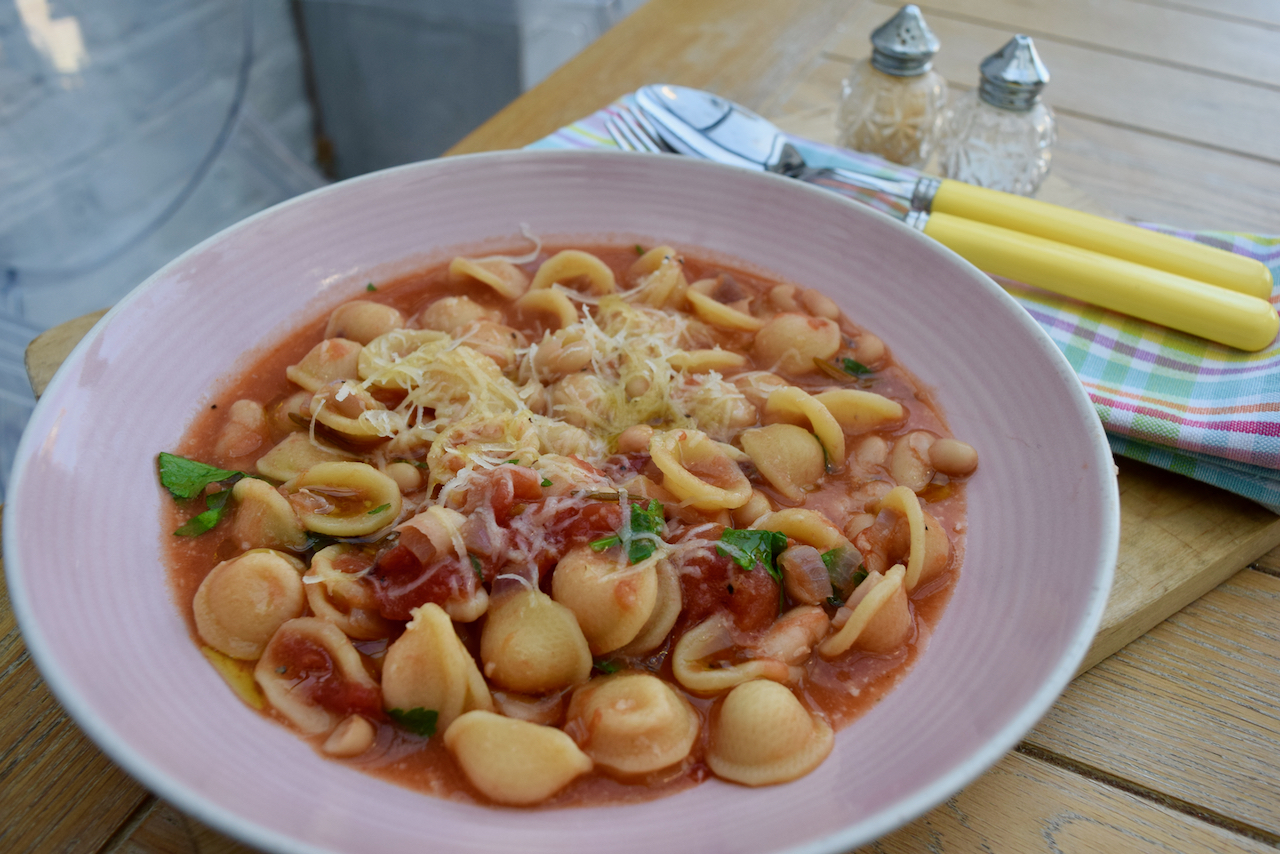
x=1178 y=538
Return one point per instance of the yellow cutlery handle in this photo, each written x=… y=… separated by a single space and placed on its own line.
x=1099 y=234
x=1224 y=316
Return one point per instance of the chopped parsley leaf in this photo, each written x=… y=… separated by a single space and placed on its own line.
x=418 y=720
x=510 y=462
x=853 y=366
x=835 y=601
x=647 y=525
x=375 y=511
x=607 y=666
x=639 y=249
x=749 y=548
x=216 y=502
x=546 y=481
x=475 y=564
x=186 y=478
x=370 y=287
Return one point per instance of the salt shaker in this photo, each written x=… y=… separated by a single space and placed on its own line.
x=1001 y=134
x=893 y=104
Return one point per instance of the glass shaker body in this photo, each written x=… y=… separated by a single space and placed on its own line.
x=995 y=148
x=898 y=118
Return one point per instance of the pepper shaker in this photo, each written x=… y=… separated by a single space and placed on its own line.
x=1001 y=134
x=893 y=103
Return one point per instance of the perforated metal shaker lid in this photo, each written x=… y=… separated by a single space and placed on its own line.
x=1013 y=76
x=904 y=45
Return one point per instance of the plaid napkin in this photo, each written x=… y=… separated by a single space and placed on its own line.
x=1166 y=398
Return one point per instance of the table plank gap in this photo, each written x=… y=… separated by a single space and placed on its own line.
x=1146 y=793
x=1217 y=48
x=1123 y=715
x=1026 y=804
x=1258 y=13
x=1228 y=114
x=167 y=830
x=115 y=845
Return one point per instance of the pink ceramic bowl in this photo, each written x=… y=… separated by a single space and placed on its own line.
x=82 y=530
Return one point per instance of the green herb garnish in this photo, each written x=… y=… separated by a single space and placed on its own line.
x=546 y=481
x=607 y=666
x=751 y=548
x=216 y=502
x=835 y=601
x=647 y=526
x=186 y=478
x=639 y=249
x=370 y=287
x=853 y=366
x=475 y=564
x=375 y=511
x=418 y=721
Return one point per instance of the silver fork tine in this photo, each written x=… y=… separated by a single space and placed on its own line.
x=619 y=134
x=650 y=131
x=630 y=134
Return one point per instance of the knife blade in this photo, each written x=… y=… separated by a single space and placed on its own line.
x=705 y=125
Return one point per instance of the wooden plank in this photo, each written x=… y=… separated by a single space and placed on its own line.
x=50 y=348
x=1264 y=13
x=1168 y=36
x=164 y=830
x=1101 y=168
x=1026 y=805
x=1178 y=540
x=1023 y=804
x=1120 y=90
x=1213 y=740
x=747 y=50
x=58 y=792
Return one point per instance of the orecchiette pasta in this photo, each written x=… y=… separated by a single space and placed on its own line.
x=597 y=531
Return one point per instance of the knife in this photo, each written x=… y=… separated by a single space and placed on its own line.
x=710 y=127
x=705 y=125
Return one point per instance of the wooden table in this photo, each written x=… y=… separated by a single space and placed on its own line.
x=1168 y=111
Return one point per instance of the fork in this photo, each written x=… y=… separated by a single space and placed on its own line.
x=632 y=131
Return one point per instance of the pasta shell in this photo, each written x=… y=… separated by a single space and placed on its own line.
x=428 y=667
x=719 y=314
x=612 y=601
x=332 y=359
x=881 y=622
x=859 y=411
x=549 y=302
x=665 y=612
x=295 y=454
x=532 y=644
x=337 y=591
x=696 y=470
x=796 y=402
x=696 y=666
x=508 y=280
x=362 y=321
x=763 y=735
x=329 y=655
x=513 y=761
x=243 y=601
x=264 y=518
x=632 y=723
x=573 y=266
x=789 y=457
x=351 y=499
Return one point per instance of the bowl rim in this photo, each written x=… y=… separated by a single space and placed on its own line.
x=191 y=802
